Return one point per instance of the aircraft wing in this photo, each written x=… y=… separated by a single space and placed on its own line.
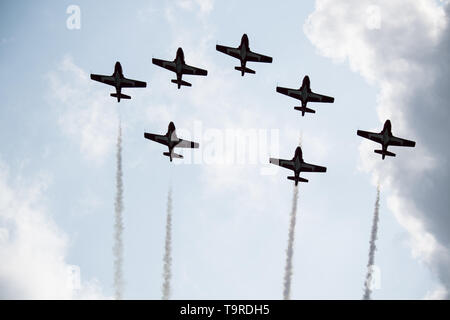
x=394 y=141
x=315 y=97
x=187 y=144
x=169 y=65
x=256 y=57
x=288 y=164
x=157 y=138
x=187 y=69
x=294 y=93
x=229 y=51
x=130 y=83
x=377 y=137
x=104 y=79
x=307 y=167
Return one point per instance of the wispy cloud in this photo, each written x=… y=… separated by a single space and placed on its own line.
x=33 y=248
x=85 y=113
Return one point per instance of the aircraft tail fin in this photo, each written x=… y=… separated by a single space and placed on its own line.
x=120 y=96
x=385 y=153
x=244 y=70
x=173 y=155
x=297 y=179
x=304 y=109
x=181 y=83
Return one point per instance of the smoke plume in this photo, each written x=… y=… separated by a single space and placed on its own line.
x=372 y=248
x=118 y=223
x=167 y=259
x=290 y=248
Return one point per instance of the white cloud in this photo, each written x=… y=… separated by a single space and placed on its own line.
x=402 y=47
x=85 y=113
x=204 y=6
x=439 y=293
x=33 y=249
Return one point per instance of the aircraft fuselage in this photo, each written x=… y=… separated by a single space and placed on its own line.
x=172 y=137
x=387 y=133
x=304 y=95
x=118 y=76
x=298 y=161
x=244 y=48
x=297 y=164
x=305 y=89
x=179 y=61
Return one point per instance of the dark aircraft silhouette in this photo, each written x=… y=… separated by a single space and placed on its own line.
x=119 y=81
x=171 y=140
x=297 y=165
x=244 y=54
x=386 y=139
x=305 y=95
x=180 y=67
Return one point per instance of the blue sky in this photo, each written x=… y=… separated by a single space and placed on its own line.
x=230 y=222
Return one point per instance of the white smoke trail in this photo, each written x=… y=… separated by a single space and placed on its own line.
x=290 y=248
x=372 y=248
x=118 y=223
x=167 y=259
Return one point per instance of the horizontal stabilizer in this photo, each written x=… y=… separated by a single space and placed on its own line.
x=181 y=83
x=174 y=155
x=120 y=96
x=245 y=70
x=304 y=109
x=385 y=153
x=297 y=179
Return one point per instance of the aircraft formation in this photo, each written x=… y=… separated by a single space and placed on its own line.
x=244 y=54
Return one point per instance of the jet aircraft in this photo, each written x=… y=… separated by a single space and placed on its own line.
x=179 y=66
x=244 y=54
x=119 y=81
x=385 y=138
x=171 y=140
x=305 y=95
x=297 y=165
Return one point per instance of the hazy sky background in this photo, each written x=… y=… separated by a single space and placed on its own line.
x=230 y=221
